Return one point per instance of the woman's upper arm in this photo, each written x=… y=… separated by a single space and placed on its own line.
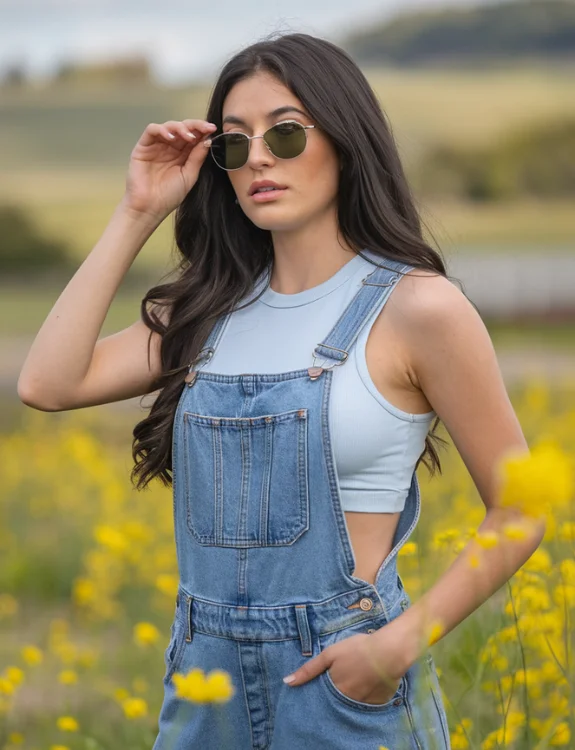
x=454 y=363
x=119 y=369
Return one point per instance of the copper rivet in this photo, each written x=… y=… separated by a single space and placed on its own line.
x=366 y=604
x=370 y=630
x=268 y=419
x=314 y=372
x=398 y=701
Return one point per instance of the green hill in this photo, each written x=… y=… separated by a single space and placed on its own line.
x=486 y=34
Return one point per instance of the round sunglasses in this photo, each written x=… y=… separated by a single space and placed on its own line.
x=285 y=140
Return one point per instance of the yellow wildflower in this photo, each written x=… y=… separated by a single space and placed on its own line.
x=196 y=687
x=408 y=549
x=6 y=687
x=68 y=677
x=435 y=631
x=487 y=539
x=537 y=481
x=134 y=708
x=32 y=655
x=15 y=738
x=145 y=633
x=14 y=674
x=67 y=724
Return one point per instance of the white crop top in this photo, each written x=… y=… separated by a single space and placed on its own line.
x=376 y=445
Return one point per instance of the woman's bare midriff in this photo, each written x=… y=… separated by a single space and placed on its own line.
x=371 y=534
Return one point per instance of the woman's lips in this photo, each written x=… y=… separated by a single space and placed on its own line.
x=268 y=195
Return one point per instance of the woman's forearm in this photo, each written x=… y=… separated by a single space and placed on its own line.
x=62 y=351
x=472 y=578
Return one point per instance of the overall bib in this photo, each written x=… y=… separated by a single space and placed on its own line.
x=266 y=563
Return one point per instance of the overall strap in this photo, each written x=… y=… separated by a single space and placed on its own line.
x=375 y=288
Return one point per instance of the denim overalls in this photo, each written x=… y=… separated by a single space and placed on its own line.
x=266 y=564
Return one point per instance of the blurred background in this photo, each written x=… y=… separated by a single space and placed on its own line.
x=481 y=99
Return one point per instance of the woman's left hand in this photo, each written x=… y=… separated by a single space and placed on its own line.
x=358 y=667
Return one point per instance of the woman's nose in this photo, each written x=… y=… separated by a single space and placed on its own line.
x=259 y=153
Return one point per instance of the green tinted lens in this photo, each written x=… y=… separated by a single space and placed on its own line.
x=230 y=150
x=286 y=139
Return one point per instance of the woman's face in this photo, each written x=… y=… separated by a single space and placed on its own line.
x=311 y=178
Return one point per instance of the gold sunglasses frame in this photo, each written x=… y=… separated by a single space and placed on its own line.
x=252 y=137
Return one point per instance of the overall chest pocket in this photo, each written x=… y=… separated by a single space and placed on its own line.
x=246 y=478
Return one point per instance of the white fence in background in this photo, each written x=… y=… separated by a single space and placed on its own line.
x=510 y=285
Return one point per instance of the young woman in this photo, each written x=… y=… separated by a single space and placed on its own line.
x=308 y=342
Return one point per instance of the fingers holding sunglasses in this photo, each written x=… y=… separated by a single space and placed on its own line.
x=182 y=133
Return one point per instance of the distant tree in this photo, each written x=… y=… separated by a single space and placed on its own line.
x=14 y=75
x=486 y=33
x=537 y=162
x=131 y=70
x=22 y=248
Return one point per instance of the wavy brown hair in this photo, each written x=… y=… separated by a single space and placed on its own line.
x=222 y=253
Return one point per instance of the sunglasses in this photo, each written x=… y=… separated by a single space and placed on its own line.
x=285 y=140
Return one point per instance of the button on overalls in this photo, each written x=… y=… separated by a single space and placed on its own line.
x=266 y=563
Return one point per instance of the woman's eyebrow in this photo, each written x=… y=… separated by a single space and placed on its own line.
x=273 y=113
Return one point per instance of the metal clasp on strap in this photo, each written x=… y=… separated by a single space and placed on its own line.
x=315 y=371
x=374 y=283
x=206 y=354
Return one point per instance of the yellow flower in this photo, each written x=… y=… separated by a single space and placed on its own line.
x=6 y=687
x=487 y=539
x=68 y=677
x=59 y=747
x=121 y=694
x=537 y=481
x=167 y=584
x=445 y=538
x=15 y=738
x=134 y=707
x=196 y=687
x=14 y=674
x=67 y=724
x=435 y=632
x=474 y=559
x=145 y=633
x=32 y=655
x=218 y=686
x=515 y=531
x=408 y=549
x=111 y=538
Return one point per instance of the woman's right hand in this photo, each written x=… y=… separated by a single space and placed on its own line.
x=163 y=169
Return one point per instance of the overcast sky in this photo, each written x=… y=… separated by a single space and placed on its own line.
x=183 y=40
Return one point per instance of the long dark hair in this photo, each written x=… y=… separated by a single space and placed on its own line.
x=223 y=252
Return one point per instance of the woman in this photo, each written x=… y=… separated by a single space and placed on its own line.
x=294 y=404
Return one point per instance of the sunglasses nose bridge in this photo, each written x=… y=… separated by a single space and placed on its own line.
x=251 y=145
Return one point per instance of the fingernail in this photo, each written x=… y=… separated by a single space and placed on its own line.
x=193 y=136
x=289 y=678
x=207 y=143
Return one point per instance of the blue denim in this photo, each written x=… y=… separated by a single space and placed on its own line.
x=266 y=564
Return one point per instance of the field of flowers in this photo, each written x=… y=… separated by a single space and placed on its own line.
x=88 y=581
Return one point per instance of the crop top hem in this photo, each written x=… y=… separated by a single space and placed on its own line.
x=372 y=501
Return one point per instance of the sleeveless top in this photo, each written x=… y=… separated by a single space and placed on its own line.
x=376 y=444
